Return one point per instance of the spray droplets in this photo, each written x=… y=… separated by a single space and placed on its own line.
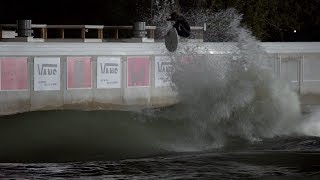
x=232 y=94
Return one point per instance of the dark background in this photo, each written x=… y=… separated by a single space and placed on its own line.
x=269 y=20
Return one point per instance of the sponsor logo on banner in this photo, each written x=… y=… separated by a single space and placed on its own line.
x=138 y=71
x=79 y=73
x=163 y=70
x=108 y=72
x=46 y=73
x=14 y=73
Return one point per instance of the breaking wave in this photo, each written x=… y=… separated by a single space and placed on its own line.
x=233 y=94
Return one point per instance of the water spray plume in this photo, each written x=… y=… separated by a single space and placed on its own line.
x=229 y=95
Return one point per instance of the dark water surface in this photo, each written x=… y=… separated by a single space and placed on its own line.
x=123 y=145
x=246 y=164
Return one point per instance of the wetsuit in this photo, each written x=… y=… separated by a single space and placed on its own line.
x=181 y=25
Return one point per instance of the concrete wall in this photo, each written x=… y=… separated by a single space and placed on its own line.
x=296 y=62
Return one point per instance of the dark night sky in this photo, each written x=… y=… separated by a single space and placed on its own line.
x=68 y=11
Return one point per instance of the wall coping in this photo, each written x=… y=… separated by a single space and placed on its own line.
x=157 y=48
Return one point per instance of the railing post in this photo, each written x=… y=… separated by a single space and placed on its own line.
x=46 y=33
x=42 y=33
x=100 y=33
x=83 y=33
x=117 y=34
x=151 y=33
x=62 y=33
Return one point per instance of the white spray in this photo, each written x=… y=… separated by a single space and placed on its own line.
x=231 y=95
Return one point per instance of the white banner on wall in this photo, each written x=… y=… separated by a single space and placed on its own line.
x=46 y=73
x=163 y=68
x=108 y=72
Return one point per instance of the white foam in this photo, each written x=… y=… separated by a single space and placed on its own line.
x=223 y=96
x=311 y=125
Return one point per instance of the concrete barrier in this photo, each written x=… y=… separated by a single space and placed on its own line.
x=49 y=76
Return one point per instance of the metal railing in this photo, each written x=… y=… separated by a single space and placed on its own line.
x=113 y=32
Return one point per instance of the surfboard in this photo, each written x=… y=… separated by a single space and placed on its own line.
x=172 y=40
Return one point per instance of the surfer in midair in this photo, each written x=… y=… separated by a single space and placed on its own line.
x=181 y=24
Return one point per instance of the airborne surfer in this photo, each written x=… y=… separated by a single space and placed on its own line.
x=181 y=24
x=180 y=28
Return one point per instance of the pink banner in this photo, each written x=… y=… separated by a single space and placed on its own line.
x=186 y=59
x=79 y=72
x=138 y=71
x=14 y=73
